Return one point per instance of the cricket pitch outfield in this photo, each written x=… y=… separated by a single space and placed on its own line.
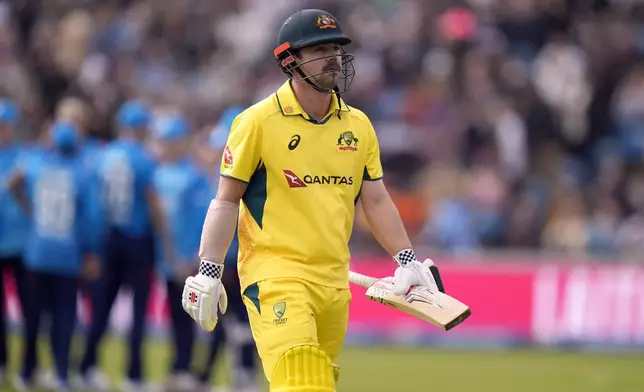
x=398 y=369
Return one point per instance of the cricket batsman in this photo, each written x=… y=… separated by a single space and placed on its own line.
x=294 y=167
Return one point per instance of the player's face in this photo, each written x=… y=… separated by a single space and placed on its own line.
x=74 y=119
x=323 y=63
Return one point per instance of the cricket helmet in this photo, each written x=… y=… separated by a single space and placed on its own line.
x=313 y=27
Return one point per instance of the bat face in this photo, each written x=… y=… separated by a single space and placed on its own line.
x=436 y=308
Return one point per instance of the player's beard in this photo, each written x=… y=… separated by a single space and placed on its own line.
x=329 y=77
x=327 y=80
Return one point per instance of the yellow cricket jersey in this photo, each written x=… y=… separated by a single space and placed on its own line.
x=304 y=178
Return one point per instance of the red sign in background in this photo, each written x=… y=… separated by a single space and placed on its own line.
x=543 y=303
x=500 y=300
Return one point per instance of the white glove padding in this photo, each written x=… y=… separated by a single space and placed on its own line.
x=203 y=293
x=414 y=273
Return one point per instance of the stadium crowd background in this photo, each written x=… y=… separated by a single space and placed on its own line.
x=502 y=123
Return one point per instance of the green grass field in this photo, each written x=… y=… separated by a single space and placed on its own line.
x=410 y=370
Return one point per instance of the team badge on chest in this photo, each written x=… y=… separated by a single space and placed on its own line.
x=347 y=142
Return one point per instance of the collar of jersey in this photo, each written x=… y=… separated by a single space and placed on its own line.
x=286 y=99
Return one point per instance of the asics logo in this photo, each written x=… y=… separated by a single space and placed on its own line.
x=295 y=141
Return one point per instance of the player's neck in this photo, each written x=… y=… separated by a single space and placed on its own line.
x=315 y=103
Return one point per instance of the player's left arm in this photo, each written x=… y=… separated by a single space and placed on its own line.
x=388 y=229
x=383 y=217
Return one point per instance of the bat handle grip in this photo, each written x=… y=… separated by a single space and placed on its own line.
x=361 y=280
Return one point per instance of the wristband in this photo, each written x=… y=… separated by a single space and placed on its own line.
x=211 y=270
x=404 y=257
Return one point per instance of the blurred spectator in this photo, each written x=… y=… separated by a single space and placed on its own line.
x=517 y=96
x=565 y=228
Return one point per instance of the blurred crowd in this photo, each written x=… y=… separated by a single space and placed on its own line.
x=502 y=123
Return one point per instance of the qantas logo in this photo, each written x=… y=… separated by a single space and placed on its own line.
x=296 y=182
x=293 y=180
x=228 y=156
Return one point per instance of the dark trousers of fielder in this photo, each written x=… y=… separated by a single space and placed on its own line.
x=183 y=328
x=56 y=294
x=246 y=355
x=17 y=268
x=128 y=261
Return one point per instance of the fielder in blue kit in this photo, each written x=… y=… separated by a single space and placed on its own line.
x=55 y=189
x=14 y=224
x=185 y=195
x=76 y=110
x=133 y=217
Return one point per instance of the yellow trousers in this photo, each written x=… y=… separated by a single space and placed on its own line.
x=287 y=312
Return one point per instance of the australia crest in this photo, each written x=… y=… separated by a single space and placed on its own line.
x=347 y=141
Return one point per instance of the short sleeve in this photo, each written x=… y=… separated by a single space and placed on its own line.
x=243 y=150
x=373 y=167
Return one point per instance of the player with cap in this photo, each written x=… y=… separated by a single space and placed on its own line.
x=134 y=217
x=294 y=167
x=55 y=189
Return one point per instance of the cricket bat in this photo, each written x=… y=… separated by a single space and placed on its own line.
x=436 y=308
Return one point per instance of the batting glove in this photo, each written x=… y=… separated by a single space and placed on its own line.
x=412 y=272
x=203 y=293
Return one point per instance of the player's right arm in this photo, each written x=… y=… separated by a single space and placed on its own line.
x=230 y=190
x=17 y=186
x=156 y=213
x=159 y=223
x=90 y=217
x=153 y=201
x=242 y=155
